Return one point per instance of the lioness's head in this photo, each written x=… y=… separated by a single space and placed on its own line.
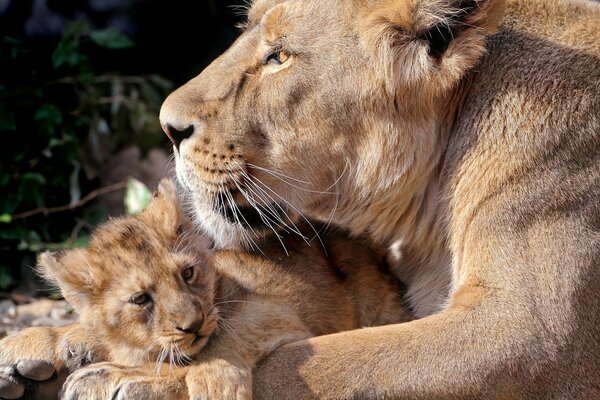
x=325 y=108
x=144 y=285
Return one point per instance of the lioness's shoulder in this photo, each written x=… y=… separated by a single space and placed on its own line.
x=574 y=23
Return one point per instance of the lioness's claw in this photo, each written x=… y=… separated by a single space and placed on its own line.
x=11 y=390
x=36 y=370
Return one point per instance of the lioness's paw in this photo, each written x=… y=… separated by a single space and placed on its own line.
x=111 y=381
x=219 y=381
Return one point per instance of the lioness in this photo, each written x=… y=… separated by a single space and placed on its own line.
x=147 y=290
x=464 y=135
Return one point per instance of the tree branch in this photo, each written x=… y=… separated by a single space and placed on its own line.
x=90 y=196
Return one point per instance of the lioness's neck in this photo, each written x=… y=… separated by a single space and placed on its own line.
x=406 y=209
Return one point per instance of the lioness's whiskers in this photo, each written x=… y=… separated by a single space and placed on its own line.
x=236 y=212
x=250 y=183
x=274 y=217
x=268 y=201
x=182 y=238
x=262 y=217
x=337 y=200
x=265 y=197
x=296 y=186
x=221 y=208
x=276 y=173
x=295 y=209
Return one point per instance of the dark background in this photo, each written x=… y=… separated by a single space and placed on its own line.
x=78 y=118
x=174 y=38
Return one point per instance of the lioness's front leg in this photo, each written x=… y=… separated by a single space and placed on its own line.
x=445 y=356
x=36 y=361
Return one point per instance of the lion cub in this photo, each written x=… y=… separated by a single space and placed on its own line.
x=148 y=291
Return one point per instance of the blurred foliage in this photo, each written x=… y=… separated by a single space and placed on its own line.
x=137 y=196
x=60 y=121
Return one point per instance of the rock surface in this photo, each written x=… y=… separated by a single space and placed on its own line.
x=39 y=312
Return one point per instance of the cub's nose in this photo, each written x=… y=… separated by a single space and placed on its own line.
x=178 y=135
x=192 y=327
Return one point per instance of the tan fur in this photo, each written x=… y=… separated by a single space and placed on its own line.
x=463 y=134
x=248 y=306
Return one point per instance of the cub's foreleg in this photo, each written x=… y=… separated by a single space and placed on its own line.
x=36 y=361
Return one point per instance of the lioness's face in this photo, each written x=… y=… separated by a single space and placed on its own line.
x=271 y=126
x=332 y=108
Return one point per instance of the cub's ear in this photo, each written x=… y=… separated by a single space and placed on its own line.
x=428 y=44
x=70 y=272
x=164 y=211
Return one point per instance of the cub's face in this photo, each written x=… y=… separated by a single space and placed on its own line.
x=144 y=285
x=324 y=108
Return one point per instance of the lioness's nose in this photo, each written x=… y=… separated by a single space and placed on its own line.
x=178 y=135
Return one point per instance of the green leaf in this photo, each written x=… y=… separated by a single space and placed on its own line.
x=137 y=196
x=66 y=50
x=6 y=218
x=49 y=116
x=111 y=38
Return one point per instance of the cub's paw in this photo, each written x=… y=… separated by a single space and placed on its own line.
x=219 y=380
x=30 y=366
x=29 y=376
x=111 y=381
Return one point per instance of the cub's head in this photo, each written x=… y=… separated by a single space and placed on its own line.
x=144 y=285
x=324 y=108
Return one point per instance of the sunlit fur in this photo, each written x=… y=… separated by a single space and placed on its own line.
x=313 y=135
x=143 y=254
x=251 y=304
x=464 y=135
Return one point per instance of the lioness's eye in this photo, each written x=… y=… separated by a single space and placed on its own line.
x=141 y=299
x=188 y=274
x=277 y=58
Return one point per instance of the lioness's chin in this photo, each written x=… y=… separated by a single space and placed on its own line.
x=224 y=234
x=234 y=222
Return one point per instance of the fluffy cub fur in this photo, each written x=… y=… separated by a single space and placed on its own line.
x=148 y=291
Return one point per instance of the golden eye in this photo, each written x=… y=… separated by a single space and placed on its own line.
x=188 y=274
x=277 y=58
x=141 y=299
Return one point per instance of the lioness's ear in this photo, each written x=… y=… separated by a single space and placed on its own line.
x=164 y=211
x=69 y=271
x=429 y=44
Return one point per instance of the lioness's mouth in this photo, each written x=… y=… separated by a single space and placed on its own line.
x=254 y=216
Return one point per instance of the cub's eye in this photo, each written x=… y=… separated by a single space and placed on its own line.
x=277 y=58
x=141 y=299
x=188 y=274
